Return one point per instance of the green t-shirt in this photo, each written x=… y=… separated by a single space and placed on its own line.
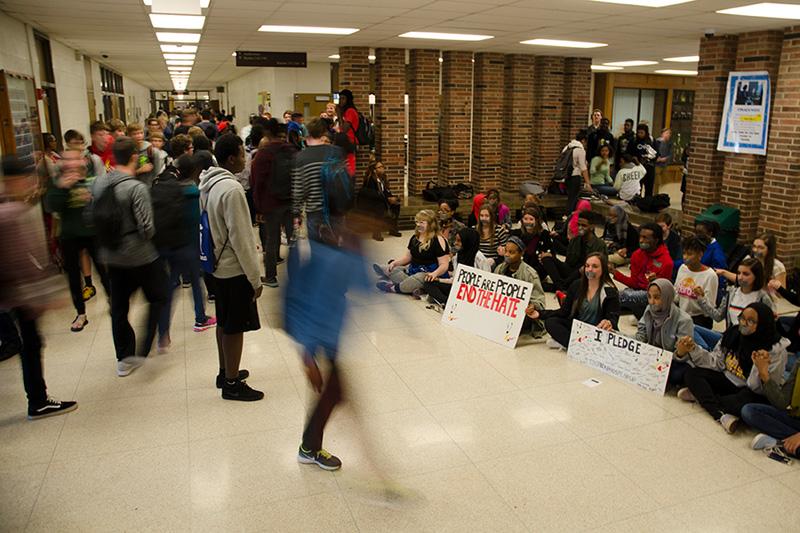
x=600 y=171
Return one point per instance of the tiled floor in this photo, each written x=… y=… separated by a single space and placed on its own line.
x=468 y=436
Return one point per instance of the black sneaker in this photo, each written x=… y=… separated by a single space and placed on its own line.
x=243 y=374
x=9 y=350
x=50 y=407
x=395 y=233
x=321 y=458
x=280 y=260
x=270 y=282
x=241 y=391
x=211 y=298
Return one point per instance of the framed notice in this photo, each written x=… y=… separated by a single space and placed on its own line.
x=487 y=304
x=615 y=354
x=745 y=117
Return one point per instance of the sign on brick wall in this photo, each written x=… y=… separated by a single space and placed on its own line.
x=745 y=117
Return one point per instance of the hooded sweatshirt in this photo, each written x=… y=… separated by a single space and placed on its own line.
x=658 y=262
x=235 y=246
x=675 y=323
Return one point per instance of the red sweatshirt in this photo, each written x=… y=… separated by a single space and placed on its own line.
x=659 y=262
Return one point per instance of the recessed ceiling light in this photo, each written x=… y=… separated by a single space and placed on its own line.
x=765 y=9
x=445 y=36
x=182 y=49
x=179 y=69
x=441 y=60
x=308 y=29
x=333 y=56
x=683 y=59
x=631 y=63
x=234 y=54
x=175 y=37
x=178 y=62
x=646 y=3
x=178 y=56
x=178 y=22
x=562 y=44
x=203 y=3
x=673 y=72
x=371 y=57
x=604 y=67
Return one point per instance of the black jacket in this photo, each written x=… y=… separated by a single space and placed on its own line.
x=631 y=242
x=609 y=306
x=534 y=245
x=373 y=199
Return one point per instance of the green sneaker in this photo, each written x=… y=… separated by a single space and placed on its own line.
x=321 y=458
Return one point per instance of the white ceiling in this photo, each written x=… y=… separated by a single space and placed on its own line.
x=121 y=29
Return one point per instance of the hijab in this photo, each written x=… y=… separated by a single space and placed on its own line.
x=583 y=205
x=764 y=337
x=470 y=242
x=622 y=223
x=667 y=300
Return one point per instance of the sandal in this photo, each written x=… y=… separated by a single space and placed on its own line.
x=80 y=325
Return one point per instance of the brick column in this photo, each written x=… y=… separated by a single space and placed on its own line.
x=780 y=209
x=354 y=75
x=518 y=123
x=423 y=119
x=743 y=175
x=488 y=120
x=547 y=114
x=390 y=65
x=454 y=134
x=577 y=97
x=704 y=181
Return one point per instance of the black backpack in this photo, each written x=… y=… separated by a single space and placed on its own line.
x=563 y=168
x=365 y=134
x=652 y=204
x=107 y=218
x=169 y=213
x=281 y=180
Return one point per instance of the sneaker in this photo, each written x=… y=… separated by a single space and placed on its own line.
x=379 y=271
x=89 y=292
x=79 y=323
x=561 y=296
x=730 y=423
x=763 y=441
x=280 y=260
x=554 y=344
x=243 y=374
x=50 y=407
x=322 y=459
x=186 y=284
x=128 y=365
x=208 y=324
x=270 y=282
x=211 y=298
x=417 y=294
x=241 y=391
x=686 y=395
x=385 y=286
x=164 y=343
x=377 y=237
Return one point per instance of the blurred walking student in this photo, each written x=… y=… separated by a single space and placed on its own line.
x=692 y=273
x=151 y=160
x=102 y=143
x=514 y=267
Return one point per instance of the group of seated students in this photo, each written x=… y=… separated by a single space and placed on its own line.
x=672 y=290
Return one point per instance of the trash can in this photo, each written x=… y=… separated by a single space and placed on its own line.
x=728 y=220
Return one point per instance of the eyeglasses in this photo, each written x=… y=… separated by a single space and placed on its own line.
x=748 y=321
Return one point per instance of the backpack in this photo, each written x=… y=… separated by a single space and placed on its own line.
x=280 y=184
x=169 y=216
x=436 y=194
x=563 y=168
x=365 y=133
x=652 y=204
x=207 y=259
x=107 y=218
x=337 y=187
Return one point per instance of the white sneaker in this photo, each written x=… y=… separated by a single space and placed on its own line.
x=634 y=321
x=128 y=365
x=730 y=423
x=686 y=395
x=763 y=441
x=554 y=344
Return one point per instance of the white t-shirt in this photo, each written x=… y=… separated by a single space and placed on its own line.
x=738 y=302
x=778 y=268
x=686 y=281
x=627 y=181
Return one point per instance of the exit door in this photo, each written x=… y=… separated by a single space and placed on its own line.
x=311 y=105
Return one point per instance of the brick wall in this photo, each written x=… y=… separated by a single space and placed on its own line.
x=518 y=124
x=743 y=174
x=548 y=98
x=354 y=75
x=454 y=134
x=423 y=119
x=577 y=97
x=488 y=120
x=706 y=164
x=780 y=208
x=390 y=88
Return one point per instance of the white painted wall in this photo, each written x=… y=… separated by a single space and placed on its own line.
x=73 y=108
x=137 y=101
x=14 y=53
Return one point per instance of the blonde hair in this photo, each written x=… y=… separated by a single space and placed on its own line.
x=133 y=128
x=194 y=131
x=427 y=215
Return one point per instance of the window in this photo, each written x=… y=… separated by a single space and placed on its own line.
x=641 y=105
x=113 y=94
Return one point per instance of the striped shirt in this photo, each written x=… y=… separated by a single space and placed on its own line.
x=307 y=178
x=489 y=246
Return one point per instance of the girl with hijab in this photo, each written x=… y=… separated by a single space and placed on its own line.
x=663 y=323
x=723 y=380
x=622 y=238
x=465 y=251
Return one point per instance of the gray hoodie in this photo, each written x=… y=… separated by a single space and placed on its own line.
x=235 y=245
x=679 y=324
x=136 y=248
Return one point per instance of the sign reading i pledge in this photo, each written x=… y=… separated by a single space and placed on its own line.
x=620 y=356
x=487 y=304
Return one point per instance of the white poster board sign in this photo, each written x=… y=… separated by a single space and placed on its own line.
x=487 y=304
x=620 y=356
x=745 y=117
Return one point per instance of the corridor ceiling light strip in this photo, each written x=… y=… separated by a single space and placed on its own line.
x=203 y=3
x=673 y=72
x=604 y=68
x=179 y=69
x=635 y=63
x=178 y=62
x=563 y=44
x=307 y=29
x=683 y=59
x=178 y=22
x=178 y=56
x=333 y=56
x=445 y=36
x=766 y=10
x=179 y=48
x=176 y=37
x=646 y=3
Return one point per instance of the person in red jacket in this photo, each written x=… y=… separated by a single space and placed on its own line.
x=349 y=114
x=651 y=261
x=101 y=143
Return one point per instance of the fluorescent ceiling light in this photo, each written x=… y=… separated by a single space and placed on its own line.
x=371 y=57
x=673 y=72
x=178 y=56
x=445 y=36
x=177 y=62
x=631 y=63
x=182 y=49
x=307 y=29
x=765 y=9
x=562 y=44
x=179 y=69
x=683 y=59
x=333 y=56
x=234 y=54
x=605 y=68
x=203 y=3
x=170 y=37
x=178 y=22
x=645 y=3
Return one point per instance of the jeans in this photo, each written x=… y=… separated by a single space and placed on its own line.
x=606 y=190
x=716 y=394
x=182 y=262
x=677 y=373
x=330 y=397
x=634 y=300
x=776 y=423
x=71 y=252
x=152 y=278
x=706 y=338
x=405 y=283
x=270 y=232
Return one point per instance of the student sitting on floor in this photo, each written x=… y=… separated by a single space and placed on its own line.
x=764 y=249
x=725 y=379
x=749 y=289
x=563 y=273
x=427 y=258
x=448 y=221
x=672 y=240
x=465 y=252
x=622 y=237
x=663 y=323
x=593 y=299
x=493 y=236
x=692 y=273
x=535 y=237
x=514 y=267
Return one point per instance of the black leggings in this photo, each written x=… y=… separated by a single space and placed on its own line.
x=560 y=273
x=330 y=397
x=716 y=394
x=559 y=329
x=71 y=252
x=438 y=291
x=702 y=320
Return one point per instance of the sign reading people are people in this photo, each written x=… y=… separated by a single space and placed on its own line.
x=622 y=357
x=487 y=304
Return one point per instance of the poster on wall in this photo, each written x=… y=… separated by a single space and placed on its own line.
x=745 y=117
x=615 y=354
x=487 y=304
